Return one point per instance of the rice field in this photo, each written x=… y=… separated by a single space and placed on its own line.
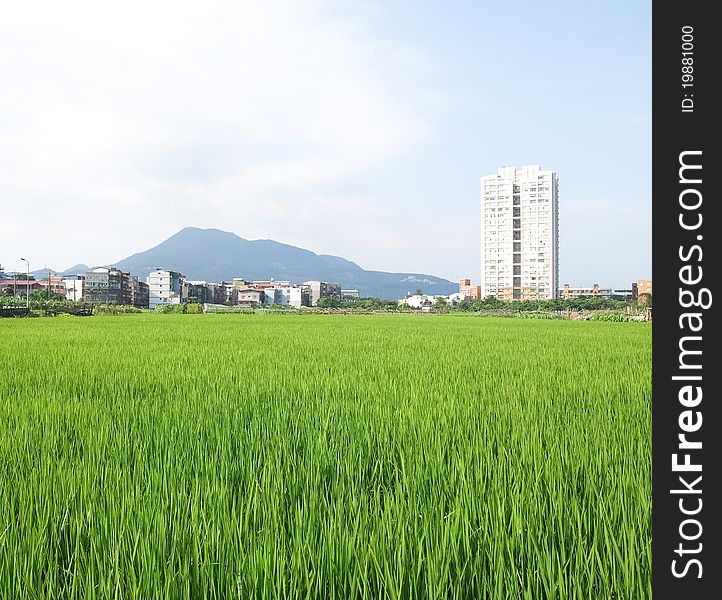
x=315 y=456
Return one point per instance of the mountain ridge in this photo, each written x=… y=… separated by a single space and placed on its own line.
x=216 y=255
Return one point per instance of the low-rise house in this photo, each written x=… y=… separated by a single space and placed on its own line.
x=426 y=302
x=250 y=298
x=19 y=287
x=570 y=293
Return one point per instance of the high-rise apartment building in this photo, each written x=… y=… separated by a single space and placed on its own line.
x=519 y=234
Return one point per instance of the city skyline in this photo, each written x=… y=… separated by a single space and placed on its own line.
x=359 y=132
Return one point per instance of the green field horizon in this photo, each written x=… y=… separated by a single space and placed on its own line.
x=324 y=456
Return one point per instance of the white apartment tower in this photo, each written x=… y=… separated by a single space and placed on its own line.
x=520 y=234
x=165 y=287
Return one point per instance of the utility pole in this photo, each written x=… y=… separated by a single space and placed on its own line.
x=27 y=285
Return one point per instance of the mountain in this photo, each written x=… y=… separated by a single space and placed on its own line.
x=76 y=270
x=40 y=274
x=214 y=255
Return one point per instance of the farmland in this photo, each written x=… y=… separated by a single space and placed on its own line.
x=313 y=456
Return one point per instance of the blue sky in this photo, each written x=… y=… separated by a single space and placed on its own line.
x=359 y=131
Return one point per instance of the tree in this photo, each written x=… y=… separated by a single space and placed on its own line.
x=193 y=308
x=440 y=305
x=41 y=295
x=328 y=303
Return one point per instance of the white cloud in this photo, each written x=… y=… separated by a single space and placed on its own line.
x=121 y=123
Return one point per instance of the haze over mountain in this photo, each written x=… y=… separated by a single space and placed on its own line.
x=74 y=270
x=214 y=255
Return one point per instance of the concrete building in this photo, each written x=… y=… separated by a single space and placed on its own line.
x=519 y=234
x=426 y=302
x=74 y=287
x=322 y=289
x=418 y=301
x=226 y=293
x=283 y=293
x=570 y=293
x=624 y=294
x=19 y=287
x=469 y=291
x=250 y=298
x=139 y=293
x=107 y=286
x=350 y=295
x=201 y=292
x=19 y=284
x=644 y=290
x=165 y=287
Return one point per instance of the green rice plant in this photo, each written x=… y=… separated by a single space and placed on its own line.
x=315 y=456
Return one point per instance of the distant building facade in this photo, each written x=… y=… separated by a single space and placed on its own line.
x=140 y=293
x=350 y=295
x=469 y=291
x=107 y=286
x=322 y=289
x=201 y=292
x=567 y=292
x=519 y=234
x=426 y=302
x=250 y=298
x=19 y=286
x=644 y=290
x=165 y=287
x=570 y=293
x=284 y=293
x=74 y=287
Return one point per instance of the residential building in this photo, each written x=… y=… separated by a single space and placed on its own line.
x=644 y=290
x=226 y=293
x=426 y=302
x=139 y=293
x=74 y=287
x=624 y=294
x=19 y=287
x=350 y=295
x=165 y=287
x=201 y=292
x=469 y=291
x=322 y=289
x=569 y=293
x=107 y=286
x=283 y=293
x=519 y=234
x=250 y=297
x=418 y=301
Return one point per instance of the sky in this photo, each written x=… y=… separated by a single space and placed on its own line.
x=354 y=129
